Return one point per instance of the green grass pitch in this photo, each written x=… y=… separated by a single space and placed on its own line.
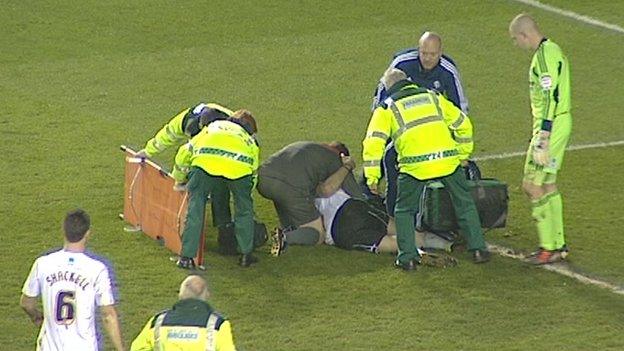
x=80 y=78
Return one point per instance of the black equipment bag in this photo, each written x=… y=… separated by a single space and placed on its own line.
x=228 y=244
x=490 y=196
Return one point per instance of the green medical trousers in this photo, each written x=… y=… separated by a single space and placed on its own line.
x=200 y=185
x=410 y=191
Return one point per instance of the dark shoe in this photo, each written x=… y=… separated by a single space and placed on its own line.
x=278 y=245
x=407 y=266
x=247 y=260
x=186 y=262
x=481 y=256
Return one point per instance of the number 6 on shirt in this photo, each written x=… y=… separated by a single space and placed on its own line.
x=65 y=306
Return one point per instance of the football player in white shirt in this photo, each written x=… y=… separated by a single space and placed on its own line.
x=355 y=224
x=350 y=223
x=71 y=284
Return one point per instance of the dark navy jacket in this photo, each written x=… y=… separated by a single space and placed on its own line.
x=443 y=78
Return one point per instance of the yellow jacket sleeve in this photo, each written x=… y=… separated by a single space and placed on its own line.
x=459 y=125
x=145 y=340
x=182 y=163
x=172 y=133
x=225 y=341
x=378 y=131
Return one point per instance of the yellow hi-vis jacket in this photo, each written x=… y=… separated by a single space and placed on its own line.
x=431 y=135
x=222 y=148
x=190 y=325
x=173 y=132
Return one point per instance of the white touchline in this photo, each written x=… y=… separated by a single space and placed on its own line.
x=507 y=252
x=573 y=15
x=559 y=268
x=505 y=155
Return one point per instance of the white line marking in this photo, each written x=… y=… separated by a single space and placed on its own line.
x=507 y=252
x=573 y=15
x=505 y=155
x=560 y=269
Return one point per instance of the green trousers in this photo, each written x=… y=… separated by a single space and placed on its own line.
x=408 y=204
x=200 y=185
x=220 y=200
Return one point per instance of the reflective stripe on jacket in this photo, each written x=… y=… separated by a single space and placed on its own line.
x=431 y=135
x=222 y=148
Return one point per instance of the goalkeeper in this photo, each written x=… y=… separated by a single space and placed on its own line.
x=549 y=88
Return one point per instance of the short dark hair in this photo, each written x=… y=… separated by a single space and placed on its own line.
x=76 y=225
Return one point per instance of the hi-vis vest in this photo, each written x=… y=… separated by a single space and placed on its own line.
x=431 y=135
x=185 y=337
x=222 y=148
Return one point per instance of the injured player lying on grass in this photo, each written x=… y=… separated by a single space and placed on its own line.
x=354 y=224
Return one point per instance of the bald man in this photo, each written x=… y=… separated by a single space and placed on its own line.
x=549 y=88
x=429 y=68
x=192 y=324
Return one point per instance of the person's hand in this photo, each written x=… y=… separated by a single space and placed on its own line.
x=37 y=319
x=180 y=186
x=141 y=154
x=347 y=162
x=541 y=150
x=374 y=188
x=471 y=170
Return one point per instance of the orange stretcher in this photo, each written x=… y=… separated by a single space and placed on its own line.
x=152 y=206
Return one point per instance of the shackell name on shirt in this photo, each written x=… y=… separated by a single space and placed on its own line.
x=67 y=276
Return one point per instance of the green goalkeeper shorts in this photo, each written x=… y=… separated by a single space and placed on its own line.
x=539 y=175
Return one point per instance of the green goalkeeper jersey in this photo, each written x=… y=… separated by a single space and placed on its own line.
x=549 y=83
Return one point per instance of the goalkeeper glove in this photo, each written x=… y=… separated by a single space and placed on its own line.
x=541 y=154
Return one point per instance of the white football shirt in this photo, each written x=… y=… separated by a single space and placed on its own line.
x=328 y=207
x=71 y=285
